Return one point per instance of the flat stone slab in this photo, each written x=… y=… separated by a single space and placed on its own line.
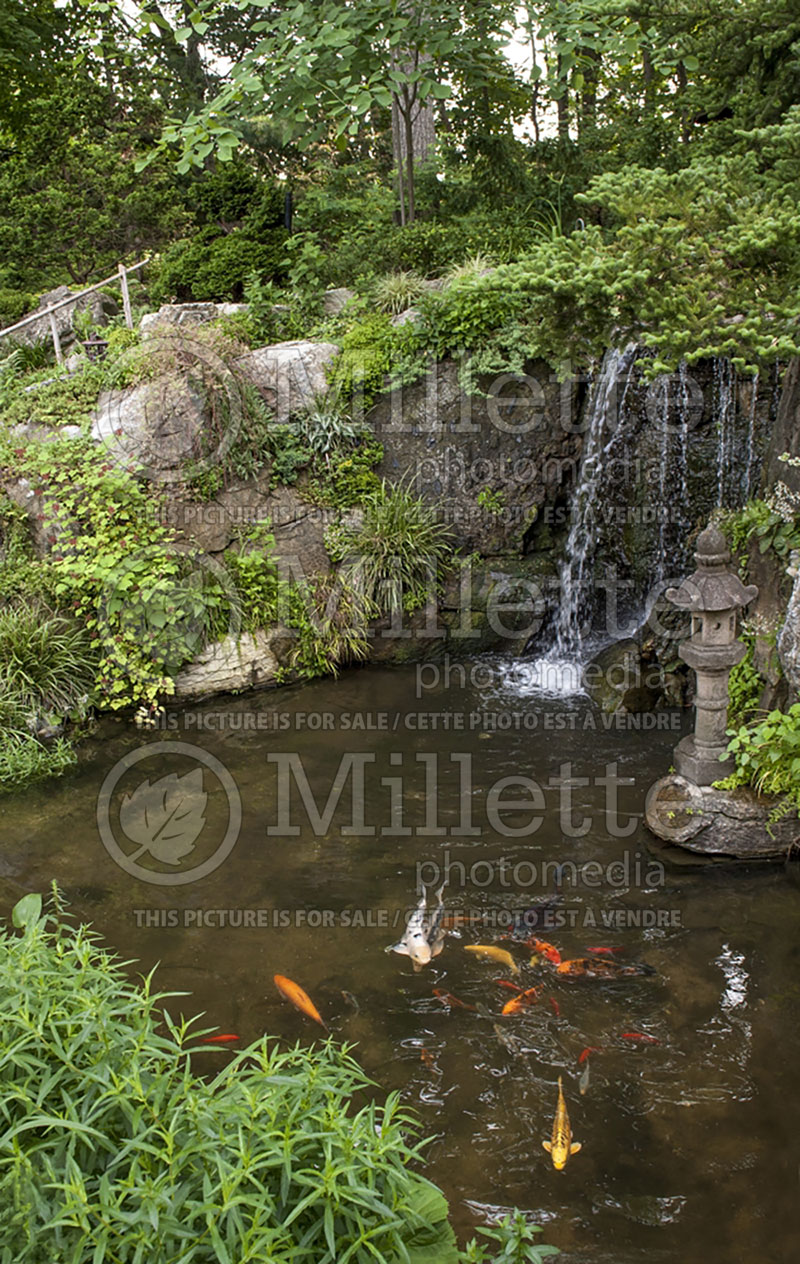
x=229 y=666
x=732 y=823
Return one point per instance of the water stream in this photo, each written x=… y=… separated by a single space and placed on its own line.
x=690 y=1145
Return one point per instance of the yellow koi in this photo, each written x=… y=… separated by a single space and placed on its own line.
x=496 y=954
x=561 y=1145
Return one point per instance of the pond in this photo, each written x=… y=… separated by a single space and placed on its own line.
x=689 y=1136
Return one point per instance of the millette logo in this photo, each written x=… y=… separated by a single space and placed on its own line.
x=169 y=827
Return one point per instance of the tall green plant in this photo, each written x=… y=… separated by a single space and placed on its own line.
x=112 y=1148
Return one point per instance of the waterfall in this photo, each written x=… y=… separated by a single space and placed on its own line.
x=604 y=412
x=724 y=401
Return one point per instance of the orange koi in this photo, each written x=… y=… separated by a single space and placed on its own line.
x=300 y=999
x=451 y=1001
x=605 y=950
x=641 y=1037
x=548 y=951
x=427 y=1057
x=589 y=1049
x=220 y=1040
x=506 y=983
x=518 y=1003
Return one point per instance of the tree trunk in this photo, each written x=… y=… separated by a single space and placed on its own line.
x=591 y=75
x=562 y=104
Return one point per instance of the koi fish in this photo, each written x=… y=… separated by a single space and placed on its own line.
x=495 y=954
x=300 y=999
x=555 y=1006
x=561 y=1145
x=220 y=1040
x=589 y=1049
x=641 y=1037
x=506 y=983
x=583 y=1082
x=427 y=1057
x=519 y=1002
x=451 y=1001
x=350 y=1000
x=534 y=961
x=605 y=950
x=601 y=968
x=424 y=936
x=548 y=951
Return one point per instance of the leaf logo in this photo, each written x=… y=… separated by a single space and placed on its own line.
x=165 y=818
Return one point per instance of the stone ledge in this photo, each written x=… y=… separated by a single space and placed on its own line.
x=713 y=822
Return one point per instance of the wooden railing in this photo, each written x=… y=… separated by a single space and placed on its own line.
x=120 y=277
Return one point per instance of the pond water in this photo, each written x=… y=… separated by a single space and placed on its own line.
x=690 y=1146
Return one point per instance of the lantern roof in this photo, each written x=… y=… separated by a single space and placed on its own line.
x=712 y=587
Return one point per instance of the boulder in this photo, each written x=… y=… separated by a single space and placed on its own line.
x=228 y=666
x=789 y=636
x=154 y=428
x=101 y=305
x=172 y=316
x=335 y=301
x=622 y=679
x=731 y=823
x=289 y=375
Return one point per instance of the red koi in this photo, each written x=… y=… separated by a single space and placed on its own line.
x=589 y=1049
x=220 y=1040
x=548 y=951
x=451 y=1001
x=641 y=1037
x=556 y=1006
x=506 y=983
x=605 y=950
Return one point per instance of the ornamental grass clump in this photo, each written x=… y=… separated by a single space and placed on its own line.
x=394 y=557
x=113 y=1149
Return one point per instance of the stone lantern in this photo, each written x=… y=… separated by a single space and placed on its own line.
x=713 y=596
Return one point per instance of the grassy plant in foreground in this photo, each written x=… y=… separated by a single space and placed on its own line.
x=113 y=1149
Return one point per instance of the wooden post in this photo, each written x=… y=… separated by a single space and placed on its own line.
x=56 y=339
x=126 y=298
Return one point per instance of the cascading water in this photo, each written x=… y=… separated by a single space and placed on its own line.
x=724 y=401
x=559 y=671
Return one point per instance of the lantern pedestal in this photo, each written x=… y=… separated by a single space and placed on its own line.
x=713 y=595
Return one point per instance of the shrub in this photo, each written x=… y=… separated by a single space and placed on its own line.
x=216 y=268
x=358 y=373
x=14 y=304
x=767 y=755
x=114 y=1148
x=394 y=558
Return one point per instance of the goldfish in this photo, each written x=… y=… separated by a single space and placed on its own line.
x=601 y=968
x=545 y=950
x=640 y=1036
x=589 y=1049
x=451 y=1001
x=424 y=936
x=300 y=999
x=561 y=1145
x=517 y=1003
x=221 y=1040
x=495 y=954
